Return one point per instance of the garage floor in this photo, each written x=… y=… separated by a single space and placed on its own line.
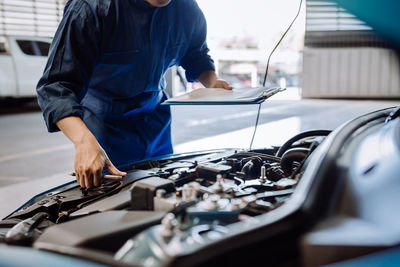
x=31 y=160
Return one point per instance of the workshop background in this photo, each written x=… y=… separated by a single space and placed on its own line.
x=333 y=65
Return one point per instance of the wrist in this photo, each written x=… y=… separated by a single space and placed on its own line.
x=86 y=137
x=76 y=131
x=208 y=78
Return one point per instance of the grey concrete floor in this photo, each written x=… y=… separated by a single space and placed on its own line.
x=32 y=160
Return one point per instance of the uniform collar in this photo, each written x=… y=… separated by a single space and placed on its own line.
x=143 y=4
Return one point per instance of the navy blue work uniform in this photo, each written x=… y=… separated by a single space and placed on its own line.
x=106 y=65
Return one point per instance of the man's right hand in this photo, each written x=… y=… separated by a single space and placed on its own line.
x=90 y=158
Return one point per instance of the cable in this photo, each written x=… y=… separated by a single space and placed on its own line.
x=255 y=126
x=266 y=70
x=278 y=43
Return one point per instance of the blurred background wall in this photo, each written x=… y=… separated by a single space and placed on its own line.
x=328 y=53
x=344 y=58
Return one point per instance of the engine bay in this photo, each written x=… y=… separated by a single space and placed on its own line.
x=175 y=205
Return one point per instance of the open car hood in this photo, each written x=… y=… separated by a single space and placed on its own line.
x=214 y=207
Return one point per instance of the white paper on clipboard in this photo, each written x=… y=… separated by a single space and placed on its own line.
x=219 y=96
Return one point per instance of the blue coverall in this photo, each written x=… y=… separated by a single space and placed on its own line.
x=106 y=65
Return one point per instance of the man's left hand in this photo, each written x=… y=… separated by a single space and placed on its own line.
x=219 y=83
x=210 y=80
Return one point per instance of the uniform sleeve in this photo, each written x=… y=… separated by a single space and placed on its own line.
x=73 y=54
x=196 y=60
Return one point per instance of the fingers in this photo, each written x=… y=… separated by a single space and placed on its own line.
x=79 y=180
x=92 y=176
x=90 y=159
x=228 y=87
x=88 y=178
x=223 y=84
x=111 y=168
x=97 y=177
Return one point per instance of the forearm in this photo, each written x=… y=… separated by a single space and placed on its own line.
x=75 y=129
x=208 y=78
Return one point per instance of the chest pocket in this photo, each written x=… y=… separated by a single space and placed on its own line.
x=120 y=57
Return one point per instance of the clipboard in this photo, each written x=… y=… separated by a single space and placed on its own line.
x=219 y=96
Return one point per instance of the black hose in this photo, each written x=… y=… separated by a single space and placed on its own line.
x=297 y=154
x=255 y=154
x=252 y=167
x=298 y=137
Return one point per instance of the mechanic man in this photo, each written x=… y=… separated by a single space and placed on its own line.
x=103 y=82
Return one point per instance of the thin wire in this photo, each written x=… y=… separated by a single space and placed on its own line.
x=266 y=71
x=255 y=127
x=278 y=43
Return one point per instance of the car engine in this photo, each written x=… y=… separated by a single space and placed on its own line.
x=164 y=208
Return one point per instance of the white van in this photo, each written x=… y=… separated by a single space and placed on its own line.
x=22 y=61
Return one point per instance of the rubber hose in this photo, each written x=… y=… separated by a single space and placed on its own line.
x=299 y=136
x=297 y=154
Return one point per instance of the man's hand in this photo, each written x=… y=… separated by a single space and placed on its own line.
x=90 y=158
x=222 y=84
x=209 y=79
